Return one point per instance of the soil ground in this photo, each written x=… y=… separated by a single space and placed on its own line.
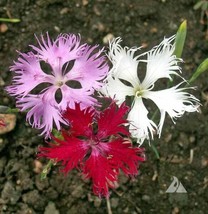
x=138 y=22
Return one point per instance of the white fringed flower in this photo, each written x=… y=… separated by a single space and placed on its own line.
x=123 y=81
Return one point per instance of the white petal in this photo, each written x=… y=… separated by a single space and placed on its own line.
x=140 y=125
x=161 y=63
x=124 y=63
x=115 y=89
x=175 y=101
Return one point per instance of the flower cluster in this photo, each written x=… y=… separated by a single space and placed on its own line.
x=57 y=83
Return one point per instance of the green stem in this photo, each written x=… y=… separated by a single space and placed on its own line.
x=155 y=151
x=46 y=169
x=9 y=20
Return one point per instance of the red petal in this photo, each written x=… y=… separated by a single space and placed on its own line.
x=80 y=120
x=70 y=153
x=111 y=121
x=125 y=157
x=102 y=174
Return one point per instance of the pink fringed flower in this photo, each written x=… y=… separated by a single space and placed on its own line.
x=95 y=144
x=56 y=75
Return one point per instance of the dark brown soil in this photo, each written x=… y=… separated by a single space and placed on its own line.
x=137 y=22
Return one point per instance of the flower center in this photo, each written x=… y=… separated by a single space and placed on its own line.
x=139 y=92
x=59 y=83
x=93 y=142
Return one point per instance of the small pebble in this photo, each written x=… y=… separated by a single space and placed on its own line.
x=51 y=209
x=146 y=198
x=38 y=166
x=3 y=28
x=114 y=202
x=204 y=162
x=108 y=38
x=97 y=202
x=65 y=10
x=85 y=2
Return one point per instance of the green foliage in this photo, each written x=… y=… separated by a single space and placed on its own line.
x=9 y=20
x=180 y=39
x=57 y=134
x=46 y=169
x=8 y=110
x=155 y=151
x=203 y=5
x=202 y=68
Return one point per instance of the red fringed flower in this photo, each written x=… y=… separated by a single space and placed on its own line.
x=96 y=145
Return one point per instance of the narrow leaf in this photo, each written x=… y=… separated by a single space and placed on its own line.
x=198 y=5
x=205 y=6
x=180 y=39
x=202 y=67
x=9 y=20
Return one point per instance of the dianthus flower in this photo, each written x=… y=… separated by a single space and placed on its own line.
x=64 y=71
x=97 y=145
x=123 y=81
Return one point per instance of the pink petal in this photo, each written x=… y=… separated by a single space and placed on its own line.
x=70 y=96
x=28 y=75
x=42 y=111
x=91 y=68
x=65 y=48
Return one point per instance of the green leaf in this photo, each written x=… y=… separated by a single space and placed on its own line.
x=46 y=169
x=202 y=67
x=198 y=5
x=57 y=134
x=3 y=109
x=180 y=39
x=9 y=20
x=8 y=110
x=205 y=6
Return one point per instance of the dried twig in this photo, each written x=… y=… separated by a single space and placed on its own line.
x=191 y=156
x=109 y=206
